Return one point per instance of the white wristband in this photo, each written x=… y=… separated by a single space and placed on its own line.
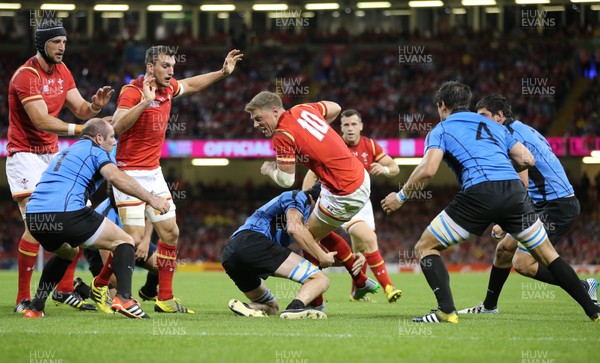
x=71 y=129
x=386 y=171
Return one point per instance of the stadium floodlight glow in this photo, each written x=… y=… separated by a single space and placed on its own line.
x=308 y=14
x=552 y=8
x=112 y=15
x=479 y=2
x=111 y=7
x=173 y=16
x=596 y=7
x=590 y=160
x=7 y=13
x=50 y=6
x=322 y=6
x=425 y=4
x=164 y=8
x=459 y=11
x=223 y=15
x=374 y=5
x=10 y=6
x=269 y=7
x=595 y=153
x=210 y=162
x=217 y=7
x=585 y=1
x=408 y=161
x=494 y=10
x=526 y=2
x=405 y=12
x=360 y=13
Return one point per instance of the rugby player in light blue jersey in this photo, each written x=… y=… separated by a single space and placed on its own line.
x=258 y=249
x=553 y=198
x=57 y=215
x=483 y=155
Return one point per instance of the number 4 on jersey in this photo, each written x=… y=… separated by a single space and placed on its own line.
x=481 y=129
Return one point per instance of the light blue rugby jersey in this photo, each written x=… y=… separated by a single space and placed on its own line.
x=547 y=179
x=106 y=209
x=270 y=219
x=70 y=179
x=475 y=148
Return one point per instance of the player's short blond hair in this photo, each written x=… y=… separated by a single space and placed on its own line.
x=264 y=99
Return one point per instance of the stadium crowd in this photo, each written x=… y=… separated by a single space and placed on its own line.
x=326 y=67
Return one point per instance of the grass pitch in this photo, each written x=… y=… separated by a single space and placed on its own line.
x=538 y=323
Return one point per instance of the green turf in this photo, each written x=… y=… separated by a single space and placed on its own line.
x=538 y=323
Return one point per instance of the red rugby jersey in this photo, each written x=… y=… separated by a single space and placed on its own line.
x=367 y=151
x=31 y=83
x=139 y=147
x=303 y=136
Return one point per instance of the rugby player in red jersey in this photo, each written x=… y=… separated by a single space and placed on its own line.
x=37 y=92
x=141 y=121
x=302 y=135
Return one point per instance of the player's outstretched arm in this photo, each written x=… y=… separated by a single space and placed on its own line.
x=38 y=114
x=85 y=110
x=521 y=157
x=128 y=185
x=417 y=181
x=198 y=83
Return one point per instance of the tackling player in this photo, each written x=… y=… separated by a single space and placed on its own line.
x=37 y=92
x=258 y=249
x=57 y=212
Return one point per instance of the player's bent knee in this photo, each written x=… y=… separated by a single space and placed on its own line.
x=503 y=256
x=525 y=264
x=321 y=279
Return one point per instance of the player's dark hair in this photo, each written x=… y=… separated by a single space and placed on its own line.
x=314 y=191
x=153 y=52
x=495 y=103
x=351 y=112
x=455 y=95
